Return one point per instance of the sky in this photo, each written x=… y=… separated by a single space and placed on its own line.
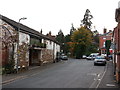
x=53 y=15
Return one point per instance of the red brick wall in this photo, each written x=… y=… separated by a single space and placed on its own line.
x=117 y=42
x=119 y=38
x=116 y=37
x=0 y=57
x=4 y=57
x=101 y=40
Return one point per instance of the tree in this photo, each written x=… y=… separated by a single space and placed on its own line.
x=107 y=46
x=87 y=19
x=60 y=38
x=81 y=39
x=67 y=40
x=72 y=29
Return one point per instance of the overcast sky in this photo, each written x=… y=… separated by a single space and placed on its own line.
x=53 y=15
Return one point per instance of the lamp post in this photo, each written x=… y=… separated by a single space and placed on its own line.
x=18 y=43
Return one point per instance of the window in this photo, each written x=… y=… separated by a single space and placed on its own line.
x=104 y=38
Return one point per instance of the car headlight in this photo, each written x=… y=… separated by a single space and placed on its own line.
x=95 y=60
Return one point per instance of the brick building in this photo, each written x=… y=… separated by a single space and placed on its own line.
x=102 y=39
x=116 y=43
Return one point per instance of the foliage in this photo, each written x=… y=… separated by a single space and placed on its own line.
x=91 y=48
x=66 y=45
x=87 y=19
x=8 y=38
x=96 y=39
x=107 y=46
x=60 y=37
x=67 y=38
x=36 y=43
x=81 y=38
x=72 y=29
x=9 y=67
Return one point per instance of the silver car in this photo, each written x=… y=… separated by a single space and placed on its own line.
x=100 y=60
x=64 y=57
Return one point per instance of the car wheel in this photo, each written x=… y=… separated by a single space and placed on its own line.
x=94 y=64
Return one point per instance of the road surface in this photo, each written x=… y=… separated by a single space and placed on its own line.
x=73 y=73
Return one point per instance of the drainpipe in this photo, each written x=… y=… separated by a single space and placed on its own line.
x=53 y=51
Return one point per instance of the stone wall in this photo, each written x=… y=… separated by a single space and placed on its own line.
x=23 y=50
x=8 y=36
x=46 y=56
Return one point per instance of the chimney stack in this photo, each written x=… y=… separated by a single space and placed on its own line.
x=104 y=30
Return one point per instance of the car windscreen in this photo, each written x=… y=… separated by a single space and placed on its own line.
x=99 y=57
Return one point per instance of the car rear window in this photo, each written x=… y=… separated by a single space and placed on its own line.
x=100 y=57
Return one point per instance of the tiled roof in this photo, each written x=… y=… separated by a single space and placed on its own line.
x=25 y=29
x=108 y=33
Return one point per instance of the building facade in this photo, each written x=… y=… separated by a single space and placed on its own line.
x=102 y=39
x=25 y=47
x=116 y=48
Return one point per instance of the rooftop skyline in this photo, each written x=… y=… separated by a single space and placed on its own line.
x=53 y=15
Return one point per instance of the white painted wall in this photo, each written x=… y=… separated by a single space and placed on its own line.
x=49 y=44
x=24 y=38
x=52 y=46
x=57 y=49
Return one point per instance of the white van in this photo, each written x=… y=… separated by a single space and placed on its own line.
x=92 y=56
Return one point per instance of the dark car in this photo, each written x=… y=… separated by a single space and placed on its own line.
x=100 y=60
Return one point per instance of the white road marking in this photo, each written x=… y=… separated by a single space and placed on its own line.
x=110 y=85
x=94 y=74
x=98 y=79
x=101 y=77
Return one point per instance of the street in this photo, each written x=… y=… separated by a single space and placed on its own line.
x=74 y=73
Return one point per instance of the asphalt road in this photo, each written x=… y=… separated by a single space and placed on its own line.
x=74 y=73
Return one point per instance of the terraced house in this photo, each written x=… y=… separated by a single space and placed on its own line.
x=103 y=38
x=116 y=44
x=25 y=46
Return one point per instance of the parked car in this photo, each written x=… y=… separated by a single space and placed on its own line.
x=92 y=56
x=64 y=57
x=58 y=57
x=100 y=60
x=84 y=56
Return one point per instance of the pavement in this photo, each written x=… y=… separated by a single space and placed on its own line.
x=7 y=78
x=108 y=80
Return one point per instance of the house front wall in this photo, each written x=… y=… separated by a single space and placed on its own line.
x=8 y=37
x=118 y=54
x=102 y=40
x=49 y=54
x=57 y=49
x=116 y=41
x=23 y=50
